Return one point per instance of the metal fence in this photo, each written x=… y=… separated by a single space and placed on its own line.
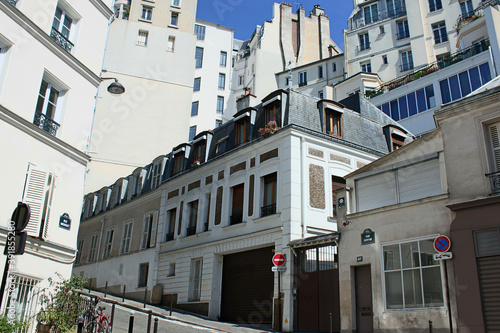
x=22 y=299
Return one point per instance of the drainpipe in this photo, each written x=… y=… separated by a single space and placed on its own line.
x=99 y=250
x=302 y=187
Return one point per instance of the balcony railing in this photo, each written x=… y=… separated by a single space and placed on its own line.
x=363 y=47
x=495 y=182
x=169 y=237
x=473 y=15
x=236 y=219
x=191 y=231
x=402 y=35
x=431 y=68
x=268 y=210
x=359 y=20
x=61 y=40
x=45 y=123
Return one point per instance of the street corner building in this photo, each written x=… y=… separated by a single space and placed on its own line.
x=199 y=226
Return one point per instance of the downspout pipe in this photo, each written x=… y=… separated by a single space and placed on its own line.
x=302 y=187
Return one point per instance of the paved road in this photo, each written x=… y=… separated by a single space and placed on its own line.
x=122 y=317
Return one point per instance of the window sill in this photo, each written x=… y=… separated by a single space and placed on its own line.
x=235 y=226
x=267 y=218
x=144 y=20
x=442 y=43
x=173 y=26
x=197 y=235
x=142 y=288
x=173 y=6
x=171 y=51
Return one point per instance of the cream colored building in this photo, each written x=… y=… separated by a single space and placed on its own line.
x=50 y=59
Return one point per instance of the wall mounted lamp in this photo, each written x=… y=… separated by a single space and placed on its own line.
x=116 y=87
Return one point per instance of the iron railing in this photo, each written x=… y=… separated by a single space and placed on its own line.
x=359 y=20
x=473 y=15
x=362 y=47
x=191 y=231
x=236 y=219
x=169 y=237
x=268 y=210
x=495 y=182
x=61 y=40
x=403 y=34
x=46 y=123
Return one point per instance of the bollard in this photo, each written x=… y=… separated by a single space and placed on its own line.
x=80 y=325
x=123 y=296
x=171 y=303
x=112 y=317
x=150 y=316
x=331 y=324
x=430 y=326
x=155 y=328
x=145 y=297
x=131 y=322
x=106 y=290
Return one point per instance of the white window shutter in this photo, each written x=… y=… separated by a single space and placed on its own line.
x=152 y=240
x=144 y=240
x=495 y=143
x=34 y=196
x=50 y=195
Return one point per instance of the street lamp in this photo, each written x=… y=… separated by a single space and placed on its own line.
x=116 y=87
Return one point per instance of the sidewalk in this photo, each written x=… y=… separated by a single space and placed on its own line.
x=177 y=316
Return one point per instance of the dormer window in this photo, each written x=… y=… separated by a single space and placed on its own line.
x=333 y=122
x=221 y=145
x=178 y=162
x=271 y=112
x=118 y=195
x=156 y=177
x=200 y=151
x=242 y=131
x=396 y=138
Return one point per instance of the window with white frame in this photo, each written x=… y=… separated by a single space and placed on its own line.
x=370 y=13
x=93 y=248
x=192 y=218
x=302 y=79
x=395 y=7
x=192 y=132
x=171 y=44
x=126 y=237
x=147 y=13
x=222 y=81
x=118 y=194
x=199 y=57
x=220 y=104
x=108 y=242
x=143 y=275
x=366 y=67
x=194 y=108
x=171 y=217
x=174 y=19
x=79 y=249
x=466 y=8
x=412 y=278
x=197 y=84
x=223 y=59
x=156 y=176
x=171 y=269
x=142 y=38
x=61 y=28
x=241 y=79
x=194 y=293
x=269 y=195
x=494 y=135
x=406 y=61
x=364 y=42
x=403 y=29
x=46 y=112
x=176 y=3
x=384 y=60
x=320 y=72
x=149 y=226
x=199 y=31
x=435 y=5
x=439 y=31
x=461 y=84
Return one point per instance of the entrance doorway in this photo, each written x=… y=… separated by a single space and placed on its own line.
x=364 y=305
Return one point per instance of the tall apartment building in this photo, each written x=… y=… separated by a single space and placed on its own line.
x=151 y=51
x=50 y=59
x=421 y=54
x=212 y=76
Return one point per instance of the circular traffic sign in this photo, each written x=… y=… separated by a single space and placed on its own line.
x=442 y=244
x=278 y=259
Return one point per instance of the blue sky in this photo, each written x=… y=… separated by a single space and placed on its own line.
x=244 y=15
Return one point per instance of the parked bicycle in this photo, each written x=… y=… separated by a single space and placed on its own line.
x=96 y=320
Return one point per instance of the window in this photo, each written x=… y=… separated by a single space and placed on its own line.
x=171 y=269
x=381 y=30
x=337 y=183
x=142 y=38
x=403 y=30
x=194 y=293
x=494 y=133
x=222 y=81
x=334 y=67
x=406 y=61
x=443 y=59
x=143 y=275
x=156 y=175
x=208 y=199
x=269 y=195
x=174 y=19
x=22 y=296
x=38 y=192
x=147 y=13
x=364 y=42
x=79 y=249
x=108 y=243
x=366 y=67
x=171 y=216
x=200 y=150
x=126 y=237
x=320 y=72
x=199 y=57
x=194 y=108
x=199 y=31
x=440 y=34
x=410 y=104
x=149 y=226
x=237 y=193
x=223 y=59
x=320 y=94
x=395 y=7
x=197 y=84
x=371 y=14
x=220 y=104
x=171 y=44
x=241 y=131
x=176 y=3
x=435 y=5
x=118 y=195
x=193 y=218
x=192 y=132
x=412 y=277
x=93 y=248
x=221 y=145
x=384 y=60
x=302 y=79
x=458 y=86
x=466 y=8
x=241 y=79
x=218 y=123
x=61 y=29
x=333 y=123
x=487 y=242
x=46 y=107
x=271 y=112
x=178 y=163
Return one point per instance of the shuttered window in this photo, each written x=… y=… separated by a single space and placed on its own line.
x=494 y=131
x=126 y=238
x=376 y=191
x=38 y=194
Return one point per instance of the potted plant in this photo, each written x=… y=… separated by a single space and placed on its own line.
x=270 y=128
x=9 y=325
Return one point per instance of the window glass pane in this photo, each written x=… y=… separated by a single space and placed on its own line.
x=394 y=110
x=454 y=87
x=194 y=108
x=412 y=104
x=427 y=253
x=485 y=72
x=431 y=100
x=386 y=109
x=488 y=242
x=475 y=80
x=412 y=288
x=445 y=91
x=409 y=255
x=403 y=108
x=464 y=83
x=433 y=291
x=391 y=257
x=422 y=104
x=393 y=290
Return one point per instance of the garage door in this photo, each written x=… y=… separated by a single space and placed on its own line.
x=489 y=273
x=247 y=287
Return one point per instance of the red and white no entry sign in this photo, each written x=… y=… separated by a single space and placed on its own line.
x=442 y=244
x=278 y=259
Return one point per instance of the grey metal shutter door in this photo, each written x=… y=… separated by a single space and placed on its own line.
x=419 y=181
x=376 y=191
x=489 y=276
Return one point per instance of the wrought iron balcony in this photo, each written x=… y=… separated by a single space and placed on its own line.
x=402 y=35
x=362 y=47
x=191 y=231
x=268 y=210
x=45 y=123
x=61 y=40
x=236 y=219
x=169 y=237
x=495 y=182
x=359 y=21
